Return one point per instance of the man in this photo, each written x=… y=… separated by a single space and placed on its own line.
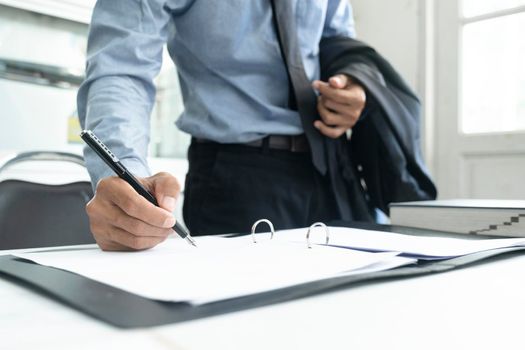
x=249 y=157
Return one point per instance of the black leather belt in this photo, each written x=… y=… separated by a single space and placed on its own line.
x=296 y=143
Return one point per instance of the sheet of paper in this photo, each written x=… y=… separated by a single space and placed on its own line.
x=42 y=249
x=413 y=246
x=220 y=268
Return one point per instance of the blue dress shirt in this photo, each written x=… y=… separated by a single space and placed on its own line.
x=233 y=79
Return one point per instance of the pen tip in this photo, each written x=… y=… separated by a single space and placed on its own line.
x=191 y=241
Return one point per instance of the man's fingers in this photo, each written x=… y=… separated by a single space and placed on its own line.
x=330 y=131
x=121 y=219
x=109 y=246
x=137 y=227
x=329 y=92
x=357 y=95
x=353 y=94
x=138 y=207
x=343 y=96
x=166 y=189
x=133 y=204
x=113 y=215
x=350 y=113
x=329 y=117
x=119 y=236
x=339 y=81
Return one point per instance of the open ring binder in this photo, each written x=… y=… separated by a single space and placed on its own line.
x=317 y=224
x=254 y=227
x=127 y=310
x=308 y=242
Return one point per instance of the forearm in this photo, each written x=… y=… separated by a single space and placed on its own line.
x=115 y=100
x=117 y=112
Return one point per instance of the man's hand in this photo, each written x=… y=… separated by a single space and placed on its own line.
x=340 y=104
x=121 y=219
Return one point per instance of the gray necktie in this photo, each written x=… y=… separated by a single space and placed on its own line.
x=305 y=97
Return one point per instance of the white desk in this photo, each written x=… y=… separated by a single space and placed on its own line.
x=480 y=307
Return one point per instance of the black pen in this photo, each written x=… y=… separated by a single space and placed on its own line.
x=114 y=163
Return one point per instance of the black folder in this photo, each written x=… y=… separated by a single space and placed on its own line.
x=126 y=310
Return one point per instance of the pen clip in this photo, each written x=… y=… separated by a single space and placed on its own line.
x=102 y=150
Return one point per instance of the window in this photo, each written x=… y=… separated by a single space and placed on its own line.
x=479 y=98
x=492 y=61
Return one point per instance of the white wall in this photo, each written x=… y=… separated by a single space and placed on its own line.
x=35 y=117
x=393 y=27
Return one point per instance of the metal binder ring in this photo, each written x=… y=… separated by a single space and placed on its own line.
x=317 y=224
x=257 y=223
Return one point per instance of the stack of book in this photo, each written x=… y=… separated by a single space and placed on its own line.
x=469 y=216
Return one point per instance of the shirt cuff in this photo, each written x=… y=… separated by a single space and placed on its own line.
x=98 y=169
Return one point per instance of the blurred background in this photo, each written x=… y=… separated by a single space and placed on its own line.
x=465 y=59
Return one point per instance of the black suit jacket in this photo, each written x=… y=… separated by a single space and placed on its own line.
x=384 y=149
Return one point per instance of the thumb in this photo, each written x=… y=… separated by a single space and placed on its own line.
x=338 y=81
x=166 y=190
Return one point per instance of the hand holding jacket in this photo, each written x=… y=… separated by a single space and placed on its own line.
x=384 y=150
x=340 y=104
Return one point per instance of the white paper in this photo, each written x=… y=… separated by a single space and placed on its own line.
x=220 y=268
x=45 y=249
x=419 y=247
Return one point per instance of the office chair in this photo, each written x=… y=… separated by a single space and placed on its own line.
x=42 y=215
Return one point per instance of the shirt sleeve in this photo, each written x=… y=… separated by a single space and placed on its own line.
x=339 y=19
x=124 y=55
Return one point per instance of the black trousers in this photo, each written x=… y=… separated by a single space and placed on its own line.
x=229 y=187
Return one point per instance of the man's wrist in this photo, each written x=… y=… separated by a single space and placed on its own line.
x=98 y=169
